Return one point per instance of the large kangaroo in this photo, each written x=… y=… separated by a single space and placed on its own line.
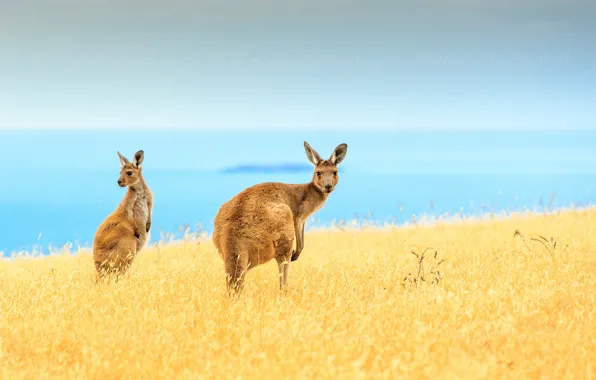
x=125 y=232
x=266 y=221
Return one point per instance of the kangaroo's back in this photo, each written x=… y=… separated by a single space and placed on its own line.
x=251 y=211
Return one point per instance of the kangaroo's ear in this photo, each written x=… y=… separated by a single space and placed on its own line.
x=339 y=154
x=123 y=160
x=312 y=154
x=139 y=156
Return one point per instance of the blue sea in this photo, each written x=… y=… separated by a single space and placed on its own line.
x=58 y=186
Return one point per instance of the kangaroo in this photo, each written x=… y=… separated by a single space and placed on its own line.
x=126 y=231
x=266 y=221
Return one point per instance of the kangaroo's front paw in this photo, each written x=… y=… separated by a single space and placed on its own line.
x=295 y=255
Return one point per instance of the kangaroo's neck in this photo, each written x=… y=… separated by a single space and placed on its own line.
x=309 y=199
x=136 y=191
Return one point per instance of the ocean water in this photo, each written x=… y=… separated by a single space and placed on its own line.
x=57 y=187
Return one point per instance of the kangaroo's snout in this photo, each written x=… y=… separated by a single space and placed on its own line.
x=120 y=183
x=328 y=188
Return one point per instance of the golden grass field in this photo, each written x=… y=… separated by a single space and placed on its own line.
x=506 y=306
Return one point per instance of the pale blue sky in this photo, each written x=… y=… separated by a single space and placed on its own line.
x=454 y=64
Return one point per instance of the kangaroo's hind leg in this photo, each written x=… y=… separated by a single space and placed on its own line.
x=283 y=265
x=283 y=256
x=236 y=264
x=123 y=256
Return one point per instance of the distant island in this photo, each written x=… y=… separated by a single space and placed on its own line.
x=268 y=168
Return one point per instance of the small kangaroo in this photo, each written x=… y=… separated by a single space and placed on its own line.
x=126 y=231
x=266 y=221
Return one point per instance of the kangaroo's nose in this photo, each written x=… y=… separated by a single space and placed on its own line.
x=120 y=182
x=328 y=187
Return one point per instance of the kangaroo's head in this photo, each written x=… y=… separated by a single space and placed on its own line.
x=130 y=174
x=325 y=177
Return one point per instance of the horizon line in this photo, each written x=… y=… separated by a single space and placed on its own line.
x=303 y=129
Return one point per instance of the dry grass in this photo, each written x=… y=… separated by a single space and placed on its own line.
x=503 y=304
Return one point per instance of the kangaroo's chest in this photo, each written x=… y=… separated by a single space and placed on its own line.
x=140 y=209
x=308 y=213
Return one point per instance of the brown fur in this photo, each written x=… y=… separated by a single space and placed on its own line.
x=126 y=231
x=266 y=221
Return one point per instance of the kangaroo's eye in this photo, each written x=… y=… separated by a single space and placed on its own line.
x=129 y=173
x=335 y=173
x=318 y=174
